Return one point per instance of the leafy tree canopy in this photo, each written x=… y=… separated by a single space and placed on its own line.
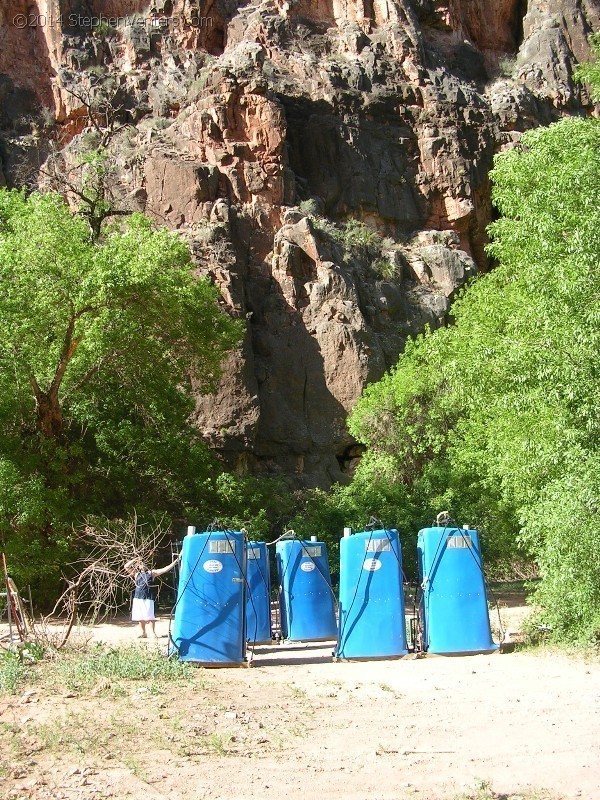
x=100 y=343
x=499 y=414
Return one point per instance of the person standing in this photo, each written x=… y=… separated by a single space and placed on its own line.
x=142 y=609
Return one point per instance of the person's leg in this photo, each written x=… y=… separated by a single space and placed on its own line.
x=143 y=629
x=152 y=618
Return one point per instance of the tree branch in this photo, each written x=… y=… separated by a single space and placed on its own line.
x=90 y=373
x=68 y=348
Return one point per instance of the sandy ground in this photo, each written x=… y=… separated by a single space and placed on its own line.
x=297 y=725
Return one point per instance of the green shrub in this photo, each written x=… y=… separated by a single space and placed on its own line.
x=310 y=207
x=12 y=672
x=160 y=123
x=97 y=71
x=386 y=268
x=261 y=505
x=356 y=234
x=563 y=528
x=351 y=235
x=506 y=66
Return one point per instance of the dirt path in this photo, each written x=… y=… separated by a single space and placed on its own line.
x=296 y=725
x=438 y=724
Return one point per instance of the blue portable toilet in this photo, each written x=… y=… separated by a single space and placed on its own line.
x=371 y=608
x=453 y=610
x=258 y=588
x=305 y=593
x=210 y=612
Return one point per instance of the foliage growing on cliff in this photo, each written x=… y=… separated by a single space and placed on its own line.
x=498 y=416
x=98 y=340
x=590 y=72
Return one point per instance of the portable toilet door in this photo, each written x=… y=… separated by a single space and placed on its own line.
x=258 y=594
x=208 y=627
x=453 y=610
x=371 y=608
x=305 y=593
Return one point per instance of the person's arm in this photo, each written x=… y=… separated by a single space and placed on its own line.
x=129 y=566
x=157 y=572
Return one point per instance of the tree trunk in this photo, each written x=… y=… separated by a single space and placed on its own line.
x=49 y=414
x=48 y=409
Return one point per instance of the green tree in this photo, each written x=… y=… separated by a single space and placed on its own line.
x=101 y=342
x=499 y=414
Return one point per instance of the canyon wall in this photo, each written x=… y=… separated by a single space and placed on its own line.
x=327 y=160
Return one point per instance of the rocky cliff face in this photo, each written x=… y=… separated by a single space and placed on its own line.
x=327 y=160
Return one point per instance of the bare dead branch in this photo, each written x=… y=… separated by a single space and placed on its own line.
x=101 y=575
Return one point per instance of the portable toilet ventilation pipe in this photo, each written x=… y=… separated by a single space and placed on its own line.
x=258 y=600
x=305 y=593
x=208 y=627
x=371 y=608
x=453 y=609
